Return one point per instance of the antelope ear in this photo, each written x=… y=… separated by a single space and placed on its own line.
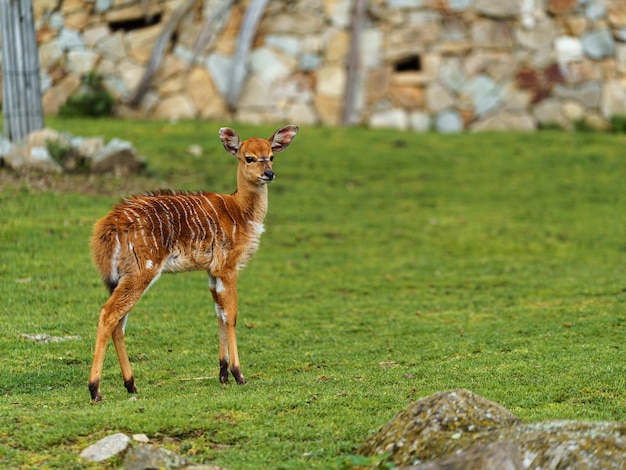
x=230 y=139
x=283 y=137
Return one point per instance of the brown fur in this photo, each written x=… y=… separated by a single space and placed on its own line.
x=167 y=232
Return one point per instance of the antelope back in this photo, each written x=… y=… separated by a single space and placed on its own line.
x=171 y=232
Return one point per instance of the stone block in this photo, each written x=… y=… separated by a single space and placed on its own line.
x=328 y=109
x=377 y=83
x=419 y=121
x=50 y=55
x=81 y=62
x=200 y=87
x=302 y=113
x=598 y=43
x=498 y=8
x=94 y=34
x=505 y=121
x=613 y=99
x=407 y=97
x=112 y=47
x=331 y=81
x=175 y=107
x=438 y=98
x=132 y=12
x=58 y=94
x=449 y=121
x=390 y=119
x=140 y=42
x=269 y=66
x=560 y=7
x=492 y=34
x=616 y=14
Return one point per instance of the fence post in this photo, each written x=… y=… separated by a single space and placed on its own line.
x=21 y=87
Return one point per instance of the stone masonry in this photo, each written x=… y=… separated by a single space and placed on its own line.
x=448 y=65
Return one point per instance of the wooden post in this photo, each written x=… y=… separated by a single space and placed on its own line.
x=358 y=13
x=21 y=88
x=249 y=25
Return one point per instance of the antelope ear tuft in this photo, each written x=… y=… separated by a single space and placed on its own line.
x=283 y=137
x=230 y=139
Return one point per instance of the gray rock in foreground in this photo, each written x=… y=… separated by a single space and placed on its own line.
x=460 y=430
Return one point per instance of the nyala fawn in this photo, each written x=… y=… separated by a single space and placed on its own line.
x=169 y=232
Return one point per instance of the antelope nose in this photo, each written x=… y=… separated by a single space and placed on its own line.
x=269 y=174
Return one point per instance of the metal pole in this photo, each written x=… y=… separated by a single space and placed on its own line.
x=21 y=87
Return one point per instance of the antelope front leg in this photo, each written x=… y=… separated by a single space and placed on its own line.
x=224 y=292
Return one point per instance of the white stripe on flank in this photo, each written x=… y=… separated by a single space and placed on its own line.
x=116 y=255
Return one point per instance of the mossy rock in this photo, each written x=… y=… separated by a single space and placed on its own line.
x=455 y=428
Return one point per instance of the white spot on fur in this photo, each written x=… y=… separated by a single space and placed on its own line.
x=124 y=320
x=212 y=282
x=116 y=255
x=219 y=285
x=149 y=264
x=221 y=313
x=258 y=227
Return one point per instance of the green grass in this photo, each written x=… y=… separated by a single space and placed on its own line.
x=393 y=266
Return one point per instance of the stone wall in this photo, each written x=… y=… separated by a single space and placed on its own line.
x=443 y=64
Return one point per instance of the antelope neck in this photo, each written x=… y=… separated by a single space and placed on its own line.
x=252 y=200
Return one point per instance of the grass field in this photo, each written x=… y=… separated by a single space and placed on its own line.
x=393 y=266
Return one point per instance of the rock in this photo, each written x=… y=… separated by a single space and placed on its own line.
x=613 y=100
x=392 y=118
x=589 y=94
x=328 y=109
x=200 y=87
x=452 y=74
x=81 y=62
x=491 y=34
x=27 y=158
x=448 y=121
x=497 y=8
x=617 y=14
x=87 y=147
x=220 y=67
x=419 y=121
x=548 y=113
x=69 y=39
x=438 y=98
x=560 y=7
x=331 y=81
x=598 y=43
x=94 y=34
x=58 y=94
x=149 y=457
x=495 y=455
x=50 y=55
x=301 y=113
x=505 y=121
x=568 y=49
x=407 y=97
x=112 y=47
x=106 y=448
x=268 y=66
x=117 y=156
x=459 y=430
x=5 y=146
x=484 y=93
x=46 y=338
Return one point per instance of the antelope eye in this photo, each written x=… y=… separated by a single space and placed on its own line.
x=249 y=159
